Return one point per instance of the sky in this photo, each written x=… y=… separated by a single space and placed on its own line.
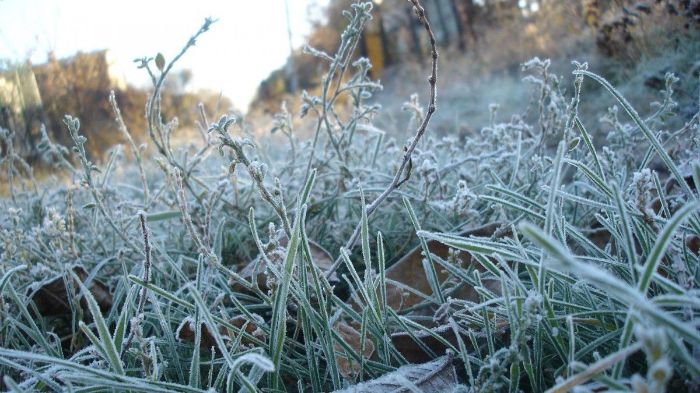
x=247 y=43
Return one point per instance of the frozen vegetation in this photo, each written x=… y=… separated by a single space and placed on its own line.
x=547 y=258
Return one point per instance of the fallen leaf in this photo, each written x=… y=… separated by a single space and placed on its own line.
x=408 y=271
x=347 y=365
x=437 y=376
x=414 y=353
x=693 y=243
x=671 y=183
x=255 y=270
x=51 y=298
x=185 y=332
x=322 y=258
x=598 y=234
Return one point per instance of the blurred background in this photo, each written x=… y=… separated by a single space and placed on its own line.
x=64 y=57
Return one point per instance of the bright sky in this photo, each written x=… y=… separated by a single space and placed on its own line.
x=242 y=48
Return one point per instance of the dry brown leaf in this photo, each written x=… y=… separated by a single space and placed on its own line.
x=348 y=366
x=671 y=182
x=322 y=258
x=255 y=270
x=409 y=272
x=185 y=332
x=414 y=353
x=51 y=298
x=693 y=243
x=437 y=376
x=598 y=234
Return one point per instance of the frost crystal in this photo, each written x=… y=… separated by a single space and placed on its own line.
x=641 y=187
x=464 y=199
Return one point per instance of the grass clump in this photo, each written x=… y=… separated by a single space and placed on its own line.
x=585 y=278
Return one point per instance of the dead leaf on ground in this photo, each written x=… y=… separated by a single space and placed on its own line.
x=437 y=376
x=255 y=270
x=323 y=259
x=693 y=243
x=347 y=365
x=185 y=332
x=414 y=352
x=409 y=272
x=672 y=183
x=51 y=298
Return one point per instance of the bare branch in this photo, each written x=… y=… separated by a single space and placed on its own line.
x=405 y=166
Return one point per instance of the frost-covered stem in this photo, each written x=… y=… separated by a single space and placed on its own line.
x=73 y=125
x=313 y=150
x=146 y=262
x=198 y=158
x=687 y=126
x=481 y=157
x=186 y=218
x=153 y=112
x=58 y=152
x=125 y=131
x=146 y=278
x=405 y=166
x=541 y=108
x=240 y=157
x=338 y=66
x=14 y=162
x=575 y=101
x=326 y=104
x=153 y=105
x=277 y=207
x=71 y=221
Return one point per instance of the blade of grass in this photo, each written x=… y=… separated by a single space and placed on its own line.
x=278 y=325
x=428 y=265
x=653 y=140
x=106 y=341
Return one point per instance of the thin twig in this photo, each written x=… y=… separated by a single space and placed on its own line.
x=240 y=157
x=135 y=150
x=73 y=125
x=146 y=261
x=153 y=108
x=146 y=278
x=336 y=71
x=399 y=177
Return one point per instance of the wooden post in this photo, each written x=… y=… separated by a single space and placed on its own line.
x=290 y=70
